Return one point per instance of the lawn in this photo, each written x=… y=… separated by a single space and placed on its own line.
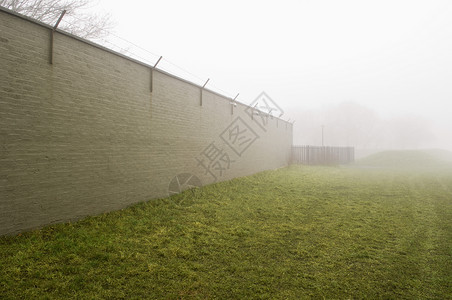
x=294 y=233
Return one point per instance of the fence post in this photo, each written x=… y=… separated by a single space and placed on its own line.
x=234 y=103
x=202 y=89
x=152 y=74
x=52 y=36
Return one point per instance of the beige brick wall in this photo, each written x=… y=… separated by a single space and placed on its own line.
x=85 y=135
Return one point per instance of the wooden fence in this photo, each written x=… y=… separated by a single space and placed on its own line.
x=322 y=155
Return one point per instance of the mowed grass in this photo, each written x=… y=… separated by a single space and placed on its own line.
x=294 y=233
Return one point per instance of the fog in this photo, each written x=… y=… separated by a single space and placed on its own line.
x=374 y=74
x=351 y=124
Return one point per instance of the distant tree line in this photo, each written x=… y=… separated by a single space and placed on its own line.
x=351 y=124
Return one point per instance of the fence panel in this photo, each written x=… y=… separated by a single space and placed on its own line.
x=322 y=155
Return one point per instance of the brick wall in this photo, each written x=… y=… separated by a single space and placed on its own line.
x=86 y=135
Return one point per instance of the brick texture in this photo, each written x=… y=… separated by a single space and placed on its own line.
x=85 y=135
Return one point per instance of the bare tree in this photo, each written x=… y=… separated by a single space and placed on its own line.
x=76 y=20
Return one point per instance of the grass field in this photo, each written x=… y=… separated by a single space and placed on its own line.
x=294 y=233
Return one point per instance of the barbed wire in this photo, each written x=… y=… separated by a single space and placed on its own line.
x=132 y=53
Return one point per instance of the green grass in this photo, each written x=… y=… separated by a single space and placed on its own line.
x=295 y=233
x=435 y=160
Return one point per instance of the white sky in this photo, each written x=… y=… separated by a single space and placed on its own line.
x=392 y=56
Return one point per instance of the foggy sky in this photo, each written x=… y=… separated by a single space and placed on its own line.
x=391 y=57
